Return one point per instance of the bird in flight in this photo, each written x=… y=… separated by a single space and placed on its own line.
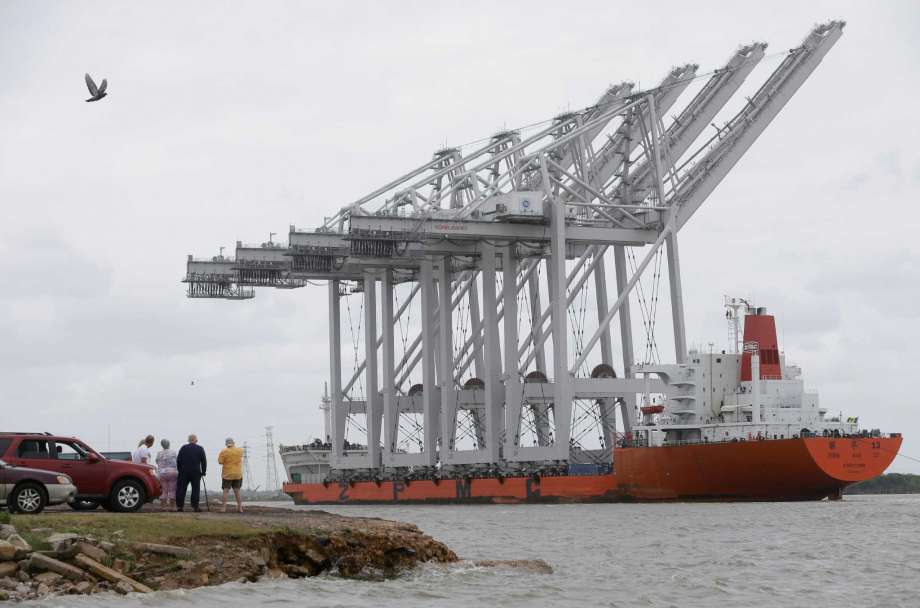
x=96 y=92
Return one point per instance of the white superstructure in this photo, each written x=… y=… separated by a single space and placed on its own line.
x=713 y=397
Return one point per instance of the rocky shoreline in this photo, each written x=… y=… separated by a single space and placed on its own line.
x=82 y=553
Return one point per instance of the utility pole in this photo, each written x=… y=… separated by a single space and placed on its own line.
x=271 y=464
x=247 y=470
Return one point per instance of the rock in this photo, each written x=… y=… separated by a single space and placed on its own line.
x=63 y=536
x=118 y=534
x=22 y=575
x=8 y=583
x=4 y=596
x=23 y=548
x=83 y=587
x=7 y=551
x=275 y=573
x=41 y=531
x=317 y=560
x=295 y=571
x=48 y=578
x=121 y=565
x=123 y=587
x=43 y=589
x=106 y=546
x=156 y=549
x=63 y=542
x=402 y=552
x=87 y=549
x=7 y=530
x=40 y=562
x=8 y=569
x=109 y=574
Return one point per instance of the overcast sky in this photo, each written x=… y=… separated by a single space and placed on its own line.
x=227 y=122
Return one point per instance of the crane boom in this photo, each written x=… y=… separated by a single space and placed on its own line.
x=749 y=123
x=611 y=156
x=694 y=118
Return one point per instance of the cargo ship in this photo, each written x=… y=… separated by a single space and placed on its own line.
x=732 y=426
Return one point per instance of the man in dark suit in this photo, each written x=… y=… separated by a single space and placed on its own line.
x=192 y=464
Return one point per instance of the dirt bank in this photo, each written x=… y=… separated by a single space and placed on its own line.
x=66 y=553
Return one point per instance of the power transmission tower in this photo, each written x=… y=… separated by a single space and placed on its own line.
x=271 y=464
x=247 y=470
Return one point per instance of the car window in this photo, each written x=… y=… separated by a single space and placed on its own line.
x=69 y=451
x=34 y=448
x=5 y=445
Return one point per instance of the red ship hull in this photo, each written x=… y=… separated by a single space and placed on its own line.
x=784 y=469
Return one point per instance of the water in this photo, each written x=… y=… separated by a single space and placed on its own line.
x=863 y=550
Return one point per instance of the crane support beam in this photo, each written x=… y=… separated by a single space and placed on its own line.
x=409 y=228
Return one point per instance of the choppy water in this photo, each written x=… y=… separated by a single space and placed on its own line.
x=864 y=550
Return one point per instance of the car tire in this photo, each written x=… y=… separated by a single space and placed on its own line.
x=83 y=505
x=28 y=498
x=127 y=496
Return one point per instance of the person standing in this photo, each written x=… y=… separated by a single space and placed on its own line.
x=142 y=453
x=166 y=466
x=231 y=461
x=191 y=464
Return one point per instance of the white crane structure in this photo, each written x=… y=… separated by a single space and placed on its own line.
x=476 y=344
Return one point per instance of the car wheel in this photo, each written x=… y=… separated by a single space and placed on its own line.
x=28 y=498
x=83 y=505
x=127 y=496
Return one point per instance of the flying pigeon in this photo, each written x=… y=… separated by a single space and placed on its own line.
x=97 y=93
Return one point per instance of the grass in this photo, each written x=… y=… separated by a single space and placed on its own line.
x=146 y=527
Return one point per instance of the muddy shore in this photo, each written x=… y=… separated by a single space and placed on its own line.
x=64 y=552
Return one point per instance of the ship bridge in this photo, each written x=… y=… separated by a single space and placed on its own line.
x=473 y=301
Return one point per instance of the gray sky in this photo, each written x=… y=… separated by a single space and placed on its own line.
x=228 y=122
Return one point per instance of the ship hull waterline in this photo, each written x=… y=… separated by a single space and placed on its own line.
x=812 y=468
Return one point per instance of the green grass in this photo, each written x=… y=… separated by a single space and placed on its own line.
x=152 y=527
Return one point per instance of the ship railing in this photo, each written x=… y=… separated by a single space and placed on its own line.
x=315 y=446
x=642 y=443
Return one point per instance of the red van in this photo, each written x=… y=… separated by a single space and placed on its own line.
x=116 y=485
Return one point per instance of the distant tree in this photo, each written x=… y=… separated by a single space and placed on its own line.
x=891 y=483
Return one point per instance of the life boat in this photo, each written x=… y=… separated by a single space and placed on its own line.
x=652 y=409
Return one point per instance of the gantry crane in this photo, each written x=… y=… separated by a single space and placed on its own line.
x=467 y=247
